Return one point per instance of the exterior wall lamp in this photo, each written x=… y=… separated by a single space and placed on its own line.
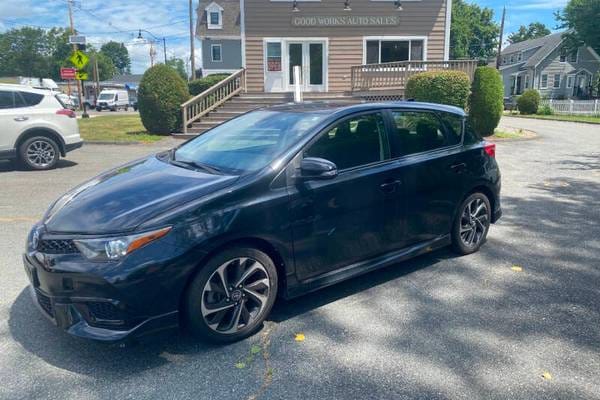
x=347 y=5
x=295 y=6
x=398 y=5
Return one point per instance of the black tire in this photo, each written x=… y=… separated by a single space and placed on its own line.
x=98 y=109
x=468 y=234
x=126 y=108
x=113 y=109
x=39 y=153
x=200 y=293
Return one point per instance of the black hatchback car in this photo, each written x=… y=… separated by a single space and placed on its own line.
x=277 y=202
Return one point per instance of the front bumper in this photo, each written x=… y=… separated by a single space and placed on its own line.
x=84 y=305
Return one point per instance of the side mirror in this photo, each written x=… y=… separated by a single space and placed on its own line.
x=317 y=168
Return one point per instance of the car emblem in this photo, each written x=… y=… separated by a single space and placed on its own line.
x=35 y=240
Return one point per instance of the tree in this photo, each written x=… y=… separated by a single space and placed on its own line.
x=533 y=31
x=106 y=68
x=581 y=18
x=25 y=52
x=473 y=32
x=178 y=65
x=119 y=55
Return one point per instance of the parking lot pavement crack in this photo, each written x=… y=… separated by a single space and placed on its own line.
x=265 y=342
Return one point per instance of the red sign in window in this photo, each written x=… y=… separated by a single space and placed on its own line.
x=274 y=64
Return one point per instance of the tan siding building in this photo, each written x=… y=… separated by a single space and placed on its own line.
x=325 y=38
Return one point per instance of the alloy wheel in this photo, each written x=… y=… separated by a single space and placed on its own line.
x=235 y=295
x=474 y=222
x=40 y=153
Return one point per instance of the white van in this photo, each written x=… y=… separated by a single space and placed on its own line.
x=112 y=100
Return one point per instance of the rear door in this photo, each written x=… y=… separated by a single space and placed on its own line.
x=345 y=220
x=427 y=147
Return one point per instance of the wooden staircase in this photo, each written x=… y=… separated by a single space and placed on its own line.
x=244 y=102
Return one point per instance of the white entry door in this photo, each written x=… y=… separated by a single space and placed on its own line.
x=310 y=56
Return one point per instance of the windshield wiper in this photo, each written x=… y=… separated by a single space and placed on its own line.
x=196 y=166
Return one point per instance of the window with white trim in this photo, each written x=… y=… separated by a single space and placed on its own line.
x=214 y=16
x=519 y=56
x=544 y=81
x=390 y=50
x=573 y=56
x=570 y=80
x=556 y=81
x=216 y=53
x=526 y=81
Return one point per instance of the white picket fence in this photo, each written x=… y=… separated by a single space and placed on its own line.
x=575 y=107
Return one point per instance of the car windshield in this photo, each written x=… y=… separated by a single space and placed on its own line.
x=106 y=96
x=249 y=142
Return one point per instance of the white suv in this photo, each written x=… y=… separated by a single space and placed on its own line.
x=36 y=128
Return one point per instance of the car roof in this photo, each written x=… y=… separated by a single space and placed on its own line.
x=342 y=108
x=25 y=88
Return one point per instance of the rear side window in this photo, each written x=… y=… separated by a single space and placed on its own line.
x=417 y=132
x=453 y=123
x=471 y=137
x=31 y=99
x=351 y=143
x=6 y=100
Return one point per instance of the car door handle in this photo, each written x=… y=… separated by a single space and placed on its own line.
x=21 y=118
x=390 y=186
x=458 y=167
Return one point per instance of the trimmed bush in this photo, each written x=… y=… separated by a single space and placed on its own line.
x=545 y=110
x=160 y=95
x=444 y=87
x=528 y=102
x=198 y=86
x=486 y=103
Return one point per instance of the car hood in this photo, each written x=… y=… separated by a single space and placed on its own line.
x=122 y=199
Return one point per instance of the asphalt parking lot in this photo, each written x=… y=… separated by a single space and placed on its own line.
x=436 y=327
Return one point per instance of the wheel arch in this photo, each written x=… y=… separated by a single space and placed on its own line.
x=250 y=241
x=479 y=188
x=41 y=131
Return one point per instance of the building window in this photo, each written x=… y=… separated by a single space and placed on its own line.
x=215 y=53
x=556 y=80
x=526 y=81
x=389 y=50
x=570 y=80
x=519 y=56
x=544 y=82
x=504 y=60
x=512 y=58
x=273 y=56
x=573 y=56
x=214 y=16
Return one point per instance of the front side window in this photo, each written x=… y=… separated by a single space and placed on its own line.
x=106 y=96
x=6 y=100
x=351 y=143
x=388 y=50
x=215 y=51
x=417 y=132
x=250 y=142
x=556 y=80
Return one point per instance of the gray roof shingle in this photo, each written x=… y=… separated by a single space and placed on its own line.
x=545 y=44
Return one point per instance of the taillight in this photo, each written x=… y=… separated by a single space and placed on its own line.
x=67 y=112
x=490 y=149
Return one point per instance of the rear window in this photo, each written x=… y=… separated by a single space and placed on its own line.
x=31 y=99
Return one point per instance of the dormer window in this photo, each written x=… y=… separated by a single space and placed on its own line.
x=214 y=16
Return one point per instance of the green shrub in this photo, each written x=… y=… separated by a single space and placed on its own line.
x=486 y=103
x=160 y=95
x=445 y=87
x=528 y=102
x=545 y=110
x=198 y=86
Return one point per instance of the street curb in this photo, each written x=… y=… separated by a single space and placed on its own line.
x=553 y=120
x=86 y=143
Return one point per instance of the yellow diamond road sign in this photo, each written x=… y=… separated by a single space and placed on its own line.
x=81 y=76
x=79 y=59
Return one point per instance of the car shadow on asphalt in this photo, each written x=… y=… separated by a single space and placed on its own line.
x=11 y=166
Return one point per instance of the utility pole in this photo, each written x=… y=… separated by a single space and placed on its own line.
x=192 y=55
x=165 y=50
x=79 y=83
x=501 y=34
x=96 y=80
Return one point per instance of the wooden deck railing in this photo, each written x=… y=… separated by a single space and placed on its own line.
x=213 y=97
x=394 y=75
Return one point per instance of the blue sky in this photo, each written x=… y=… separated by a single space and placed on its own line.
x=104 y=20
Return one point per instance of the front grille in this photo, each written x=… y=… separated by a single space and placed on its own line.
x=105 y=311
x=45 y=303
x=57 y=246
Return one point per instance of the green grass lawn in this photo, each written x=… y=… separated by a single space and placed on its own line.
x=118 y=128
x=573 y=118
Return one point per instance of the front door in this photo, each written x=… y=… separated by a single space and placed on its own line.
x=310 y=57
x=344 y=220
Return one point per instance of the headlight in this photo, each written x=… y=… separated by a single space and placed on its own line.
x=108 y=249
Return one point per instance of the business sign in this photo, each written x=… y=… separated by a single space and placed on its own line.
x=67 y=73
x=76 y=39
x=79 y=59
x=346 y=20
